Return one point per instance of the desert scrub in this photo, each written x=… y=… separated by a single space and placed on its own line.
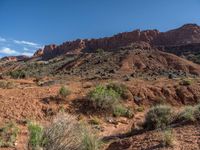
x=187 y=114
x=8 y=135
x=120 y=110
x=64 y=92
x=159 y=116
x=67 y=133
x=100 y=51
x=197 y=112
x=3 y=84
x=140 y=109
x=6 y=85
x=185 y=82
x=18 y=74
x=95 y=121
x=103 y=98
x=121 y=89
x=35 y=136
x=168 y=138
x=108 y=98
x=90 y=141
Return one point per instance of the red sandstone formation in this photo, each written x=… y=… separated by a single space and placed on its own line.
x=189 y=33
x=15 y=58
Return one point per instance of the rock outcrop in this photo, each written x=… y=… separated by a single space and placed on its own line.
x=187 y=34
x=15 y=58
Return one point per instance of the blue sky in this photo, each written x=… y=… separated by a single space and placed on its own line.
x=26 y=25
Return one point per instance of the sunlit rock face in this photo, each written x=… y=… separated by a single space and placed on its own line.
x=187 y=34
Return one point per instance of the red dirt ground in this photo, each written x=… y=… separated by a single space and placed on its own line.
x=27 y=101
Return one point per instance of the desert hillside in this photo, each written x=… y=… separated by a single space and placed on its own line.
x=137 y=90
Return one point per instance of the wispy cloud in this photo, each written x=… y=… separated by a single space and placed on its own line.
x=27 y=54
x=2 y=39
x=26 y=49
x=12 y=47
x=8 y=51
x=26 y=43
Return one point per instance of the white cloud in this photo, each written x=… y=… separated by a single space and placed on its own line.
x=26 y=49
x=2 y=39
x=27 y=54
x=8 y=51
x=26 y=43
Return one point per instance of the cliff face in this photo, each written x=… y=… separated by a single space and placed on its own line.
x=14 y=58
x=108 y=44
x=189 y=33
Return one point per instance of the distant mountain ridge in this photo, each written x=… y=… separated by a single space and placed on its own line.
x=187 y=34
x=129 y=53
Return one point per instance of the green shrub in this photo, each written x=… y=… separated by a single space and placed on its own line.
x=18 y=74
x=140 y=109
x=158 y=117
x=120 y=110
x=103 y=98
x=100 y=51
x=186 y=82
x=95 y=121
x=168 y=139
x=35 y=135
x=8 y=135
x=64 y=92
x=108 y=98
x=121 y=89
x=3 y=84
x=187 y=114
x=197 y=112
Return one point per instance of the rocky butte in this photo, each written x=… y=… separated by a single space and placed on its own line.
x=187 y=34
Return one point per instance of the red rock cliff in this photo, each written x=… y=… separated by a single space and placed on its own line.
x=189 y=33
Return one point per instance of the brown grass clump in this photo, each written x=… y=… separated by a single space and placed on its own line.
x=168 y=138
x=63 y=133
x=67 y=133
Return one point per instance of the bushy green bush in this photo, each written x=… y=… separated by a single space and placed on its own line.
x=197 y=112
x=187 y=114
x=18 y=74
x=121 y=89
x=158 y=117
x=108 y=98
x=64 y=92
x=103 y=97
x=120 y=110
x=8 y=135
